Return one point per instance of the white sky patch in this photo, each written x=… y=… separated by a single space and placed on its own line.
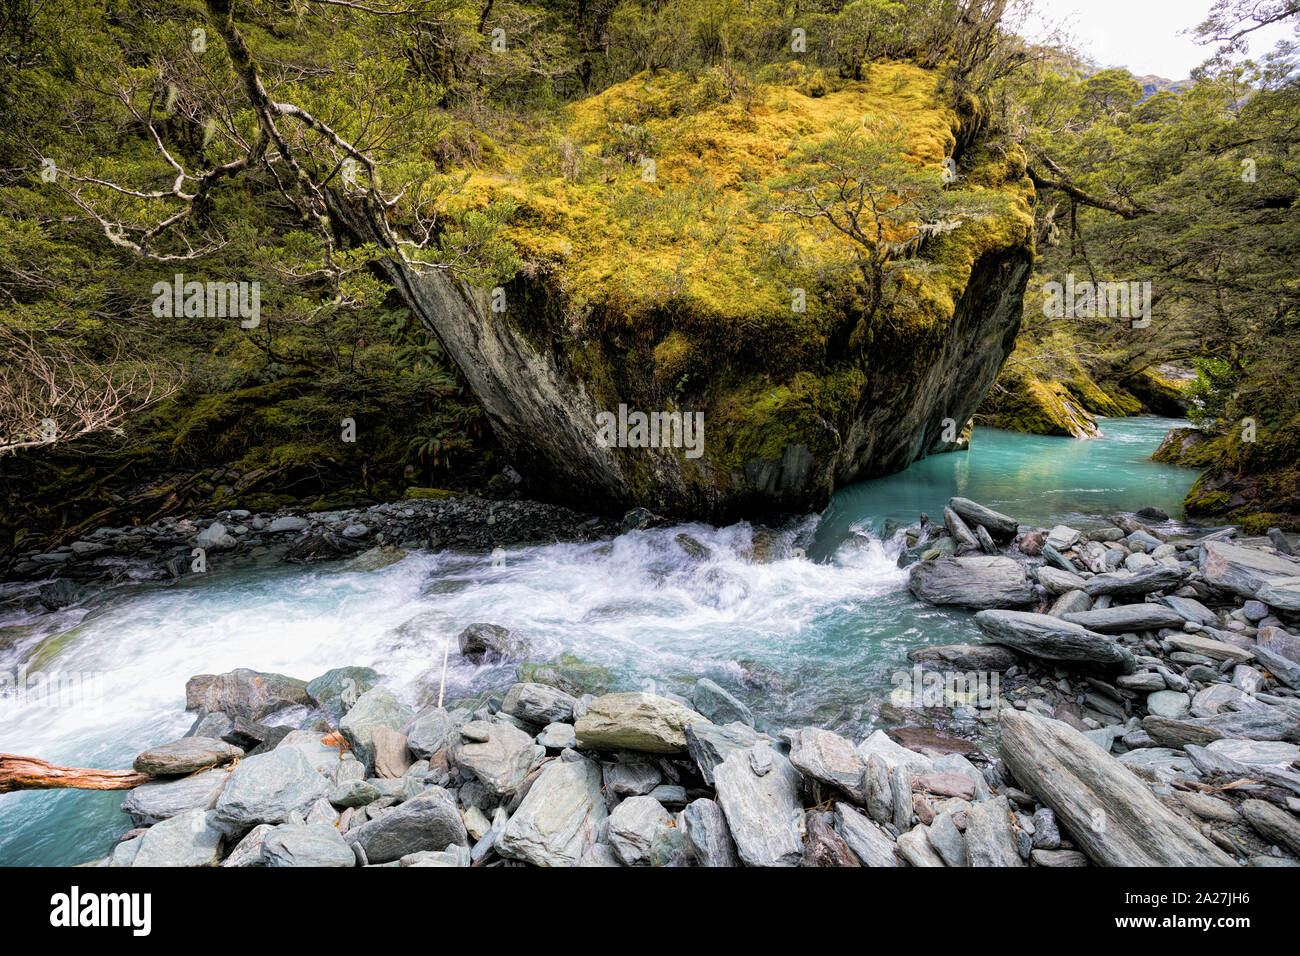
x=1144 y=36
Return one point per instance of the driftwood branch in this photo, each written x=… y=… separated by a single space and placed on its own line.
x=29 y=773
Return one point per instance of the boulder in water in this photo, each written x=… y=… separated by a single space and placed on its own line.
x=977 y=582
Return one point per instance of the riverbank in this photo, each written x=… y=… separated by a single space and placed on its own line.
x=172 y=548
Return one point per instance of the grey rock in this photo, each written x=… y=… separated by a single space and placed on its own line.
x=1280 y=653
x=705 y=828
x=558 y=736
x=1109 y=812
x=635 y=721
x=1191 y=609
x=561 y=815
x=634 y=827
x=1273 y=823
x=828 y=758
x=191 y=838
x=948 y=841
x=1058 y=858
x=1168 y=703
x=1120 y=618
x=1047 y=835
x=991 y=657
x=1059 y=582
x=1256 y=754
x=763 y=812
x=1042 y=635
x=960 y=531
x=1062 y=537
x=488 y=643
x=429 y=821
x=502 y=761
x=977 y=582
x=337 y=691
x=709 y=744
x=915 y=847
x=1243 y=570
x=288 y=523
x=152 y=803
x=248 y=852
x=539 y=704
x=354 y=793
x=1159 y=577
x=1160 y=764
x=1207 y=647
x=292 y=844
x=719 y=706
x=1071 y=602
x=245 y=693
x=632 y=776
x=377 y=707
x=989 y=839
x=998 y=524
x=867 y=840
x=270 y=788
x=599 y=854
x=431 y=730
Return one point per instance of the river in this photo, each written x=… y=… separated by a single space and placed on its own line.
x=810 y=637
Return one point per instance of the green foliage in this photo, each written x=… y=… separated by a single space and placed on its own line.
x=1210 y=392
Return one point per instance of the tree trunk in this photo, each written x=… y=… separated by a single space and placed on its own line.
x=29 y=773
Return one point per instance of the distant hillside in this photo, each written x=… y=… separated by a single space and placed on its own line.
x=1152 y=84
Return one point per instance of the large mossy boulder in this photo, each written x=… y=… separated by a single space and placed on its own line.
x=671 y=289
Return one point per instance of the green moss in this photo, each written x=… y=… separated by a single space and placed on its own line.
x=412 y=494
x=1024 y=403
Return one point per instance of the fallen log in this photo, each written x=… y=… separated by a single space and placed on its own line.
x=29 y=773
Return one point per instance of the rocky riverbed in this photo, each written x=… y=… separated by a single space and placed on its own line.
x=172 y=548
x=1145 y=710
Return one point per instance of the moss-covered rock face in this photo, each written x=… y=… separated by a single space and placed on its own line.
x=670 y=288
x=1255 y=483
x=1026 y=403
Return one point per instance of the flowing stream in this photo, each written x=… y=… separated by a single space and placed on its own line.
x=810 y=635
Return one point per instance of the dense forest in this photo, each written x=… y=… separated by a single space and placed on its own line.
x=331 y=153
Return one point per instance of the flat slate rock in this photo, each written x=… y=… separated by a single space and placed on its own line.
x=978 y=581
x=1108 y=811
x=999 y=525
x=1243 y=570
x=986 y=657
x=1052 y=638
x=707 y=836
x=377 y=707
x=1280 y=653
x=1123 y=618
x=1281 y=593
x=1216 y=650
x=501 y=761
x=1160 y=577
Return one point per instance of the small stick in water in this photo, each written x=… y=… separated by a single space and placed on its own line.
x=446 y=649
